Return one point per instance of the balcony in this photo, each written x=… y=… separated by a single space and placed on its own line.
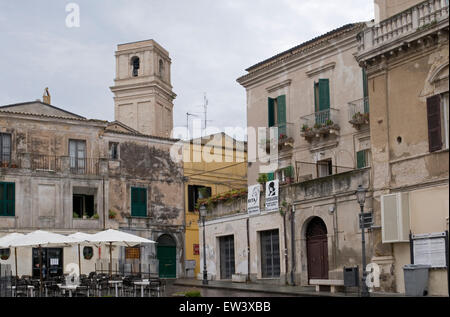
x=404 y=25
x=321 y=123
x=305 y=171
x=358 y=112
x=56 y=164
x=286 y=134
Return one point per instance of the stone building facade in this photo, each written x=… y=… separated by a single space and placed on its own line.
x=64 y=173
x=315 y=95
x=405 y=55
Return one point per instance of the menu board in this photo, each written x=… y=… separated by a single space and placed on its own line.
x=430 y=250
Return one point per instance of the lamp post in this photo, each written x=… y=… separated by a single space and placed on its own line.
x=361 y=197
x=205 y=273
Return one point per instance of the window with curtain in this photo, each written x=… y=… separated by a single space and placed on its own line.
x=5 y=147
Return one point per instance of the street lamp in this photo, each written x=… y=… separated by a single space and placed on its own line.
x=361 y=197
x=205 y=273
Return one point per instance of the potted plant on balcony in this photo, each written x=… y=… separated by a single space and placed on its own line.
x=359 y=119
x=112 y=214
x=307 y=132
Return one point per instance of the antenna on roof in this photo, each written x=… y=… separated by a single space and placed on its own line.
x=205 y=105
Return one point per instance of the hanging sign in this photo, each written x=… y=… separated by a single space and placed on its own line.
x=253 y=199
x=272 y=195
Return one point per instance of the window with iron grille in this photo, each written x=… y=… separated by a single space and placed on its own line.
x=270 y=253
x=5 y=147
x=226 y=257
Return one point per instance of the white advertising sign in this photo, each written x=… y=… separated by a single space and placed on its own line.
x=272 y=195
x=253 y=198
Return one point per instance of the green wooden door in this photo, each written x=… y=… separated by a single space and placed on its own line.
x=167 y=261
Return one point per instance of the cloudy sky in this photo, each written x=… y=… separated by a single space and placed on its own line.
x=211 y=43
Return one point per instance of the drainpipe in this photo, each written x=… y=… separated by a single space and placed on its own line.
x=104 y=211
x=285 y=250
x=248 y=249
x=293 y=243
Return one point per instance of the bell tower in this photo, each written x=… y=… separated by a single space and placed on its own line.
x=143 y=96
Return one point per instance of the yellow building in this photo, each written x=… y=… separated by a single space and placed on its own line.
x=213 y=164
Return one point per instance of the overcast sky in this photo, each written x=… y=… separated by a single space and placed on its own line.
x=210 y=42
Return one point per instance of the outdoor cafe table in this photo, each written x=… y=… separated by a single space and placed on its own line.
x=142 y=284
x=115 y=282
x=29 y=288
x=70 y=288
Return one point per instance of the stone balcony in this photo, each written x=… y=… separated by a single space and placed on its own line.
x=403 y=28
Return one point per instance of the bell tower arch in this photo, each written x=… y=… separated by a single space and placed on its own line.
x=143 y=96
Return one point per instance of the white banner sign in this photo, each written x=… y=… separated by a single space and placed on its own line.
x=272 y=195
x=253 y=198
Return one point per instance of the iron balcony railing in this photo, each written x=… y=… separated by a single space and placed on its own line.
x=45 y=162
x=87 y=166
x=326 y=117
x=53 y=163
x=358 y=110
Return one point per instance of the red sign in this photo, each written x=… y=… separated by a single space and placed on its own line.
x=196 y=249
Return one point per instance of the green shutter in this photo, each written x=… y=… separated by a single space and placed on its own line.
x=281 y=114
x=289 y=171
x=365 y=91
x=361 y=159
x=270 y=176
x=324 y=94
x=271 y=109
x=7 y=199
x=138 y=202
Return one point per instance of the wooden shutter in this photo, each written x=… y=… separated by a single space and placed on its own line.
x=270 y=176
x=434 y=123
x=7 y=199
x=365 y=91
x=191 y=198
x=271 y=110
x=281 y=114
x=138 y=202
x=361 y=159
x=324 y=94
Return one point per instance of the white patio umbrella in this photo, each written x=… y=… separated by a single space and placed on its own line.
x=117 y=238
x=40 y=238
x=5 y=242
x=83 y=238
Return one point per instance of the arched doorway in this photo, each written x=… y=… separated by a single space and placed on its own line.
x=167 y=255
x=317 y=249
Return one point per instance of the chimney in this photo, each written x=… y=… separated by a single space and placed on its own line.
x=46 y=96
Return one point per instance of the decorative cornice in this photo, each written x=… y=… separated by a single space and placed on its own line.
x=320 y=69
x=280 y=85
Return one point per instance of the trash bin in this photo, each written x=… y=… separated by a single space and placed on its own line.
x=416 y=279
x=351 y=276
